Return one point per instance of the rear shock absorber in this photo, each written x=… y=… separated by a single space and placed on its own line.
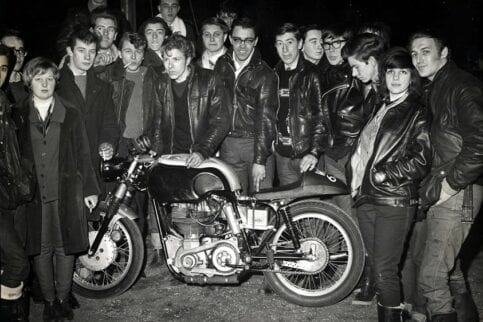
x=287 y=218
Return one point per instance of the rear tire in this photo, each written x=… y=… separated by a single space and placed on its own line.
x=334 y=241
x=116 y=264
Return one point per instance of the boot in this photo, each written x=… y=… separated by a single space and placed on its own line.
x=9 y=297
x=447 y=317
x=51 y=311
x=23 y=306
x=465 y=307
x=367 y=291
x=74 y=303
x=389 y=314
x=8 y=310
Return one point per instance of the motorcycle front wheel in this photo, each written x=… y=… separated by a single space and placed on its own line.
x=334 y=249
x=115 y=266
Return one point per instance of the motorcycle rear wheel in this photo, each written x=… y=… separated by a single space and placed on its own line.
x=334 y=241
x=116 y=264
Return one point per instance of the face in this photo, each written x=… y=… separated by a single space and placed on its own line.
x=176 y=64
x=288 y=47
x=426 y=57
x=3 y=69
x=213 y=38
x=169 y=10
x=131 y=56
x=398 y=80
x=155 y=35
x=106 y=29
x=227 y=17
x=243 y=41
x=366 y=72
x=18 y=46
x=82 y=55
x=312 y=46
x=333 y=48
x=43 y=85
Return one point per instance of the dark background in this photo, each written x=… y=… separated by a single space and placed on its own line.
x=460 y=19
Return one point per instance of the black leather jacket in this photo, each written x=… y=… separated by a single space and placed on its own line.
x=456 y=102
x=402 y=152
x=307 y=121
x=343 y=97
x=252 y=99
x=209 y=120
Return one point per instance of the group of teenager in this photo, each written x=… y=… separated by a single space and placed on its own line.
x=402 y=127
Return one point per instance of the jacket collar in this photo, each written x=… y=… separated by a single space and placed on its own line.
x=444 y=71
x=301 y=64
x=254 y=61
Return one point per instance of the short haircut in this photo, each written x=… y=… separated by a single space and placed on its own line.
x=181 y=43
x=305 y=29
x=179 y=1
x=83 y=34
x=363 y=46
x=399 y=57
x=288 y=27
x=11 y=33
x=39 y=66
x=337 y=30
x=103 y=12
x=137 y=40
x=245 y=23
x=9 y=53
x=439 y=39
x=155 y=20
x=215 y=21
x=379 y=28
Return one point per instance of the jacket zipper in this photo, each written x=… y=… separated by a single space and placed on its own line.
x=235 y=101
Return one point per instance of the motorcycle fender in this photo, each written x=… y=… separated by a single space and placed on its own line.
x=123 y=212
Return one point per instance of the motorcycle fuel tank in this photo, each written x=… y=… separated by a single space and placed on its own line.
x=172 y=182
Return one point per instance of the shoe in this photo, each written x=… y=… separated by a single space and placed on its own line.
x=74 y=304
x=8 y=311
x=367 y=292
x=265 y=288
x=389 y=314
x=51 y=311
x=465 y=307
x=65 y=309
x=447 y=317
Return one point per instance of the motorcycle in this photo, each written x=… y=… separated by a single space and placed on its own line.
x=310 y=251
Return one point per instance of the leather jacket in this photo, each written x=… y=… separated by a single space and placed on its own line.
x=342 y=96
x=209 y=120
x=401 y=152
x=122 y=89
x=252 y=100
x=456 y=102
x=307 y=120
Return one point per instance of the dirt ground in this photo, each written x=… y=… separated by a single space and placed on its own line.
x=157 y=299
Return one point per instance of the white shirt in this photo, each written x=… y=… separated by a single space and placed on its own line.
x=239 y=66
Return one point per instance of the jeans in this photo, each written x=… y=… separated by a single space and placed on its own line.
x=288 y=169
x=445 y=236
x=384 y=230
x=13 y=258
x=239 y=153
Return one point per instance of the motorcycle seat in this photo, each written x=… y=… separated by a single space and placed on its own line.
x=313 y=183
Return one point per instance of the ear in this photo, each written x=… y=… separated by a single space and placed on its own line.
x=300 y=44
x=256 y=42
x=372 y=61
x=188 y=60
x=69 y=51
x=444 y=52
x=224 y=38
x=159 y=7
x=231 y=40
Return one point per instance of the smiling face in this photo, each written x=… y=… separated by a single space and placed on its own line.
x=43 y=85
x=312 y=47
x=213 y=38
x=288 y=47
x=81 y=56
x=397 y=80
x=427 y=57
x=155 y=34
x=243 y=41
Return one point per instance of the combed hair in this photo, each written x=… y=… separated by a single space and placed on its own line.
x=181 y=43
x=39 y=66
x=379 y=28
x=215 y=21
x=11 y=33
x=137 y=40
x=337 y=30
x=305 y=29
x=245 y=23
x=289 y=27
x=363 y=46
x=83 y=34
x=399 y=57
x=155 y=20
x=438 y=37
x=103 y=12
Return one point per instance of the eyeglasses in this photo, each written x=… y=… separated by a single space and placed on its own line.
x=334 y=44
x=247 y=41
x=20 y=51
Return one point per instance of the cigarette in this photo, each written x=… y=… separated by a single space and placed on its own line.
x=125 y=66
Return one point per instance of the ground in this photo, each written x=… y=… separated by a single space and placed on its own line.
x=157 y=299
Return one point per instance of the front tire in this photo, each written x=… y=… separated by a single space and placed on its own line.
x=333 y=242
x=116 y=264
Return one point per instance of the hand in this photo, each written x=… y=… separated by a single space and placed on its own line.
x=446 y=192
x=308 y=163
x=106 y=151
x=258 y=173
x=91 y=202
x=194 y=160
x=379 y=177
x=103 y=59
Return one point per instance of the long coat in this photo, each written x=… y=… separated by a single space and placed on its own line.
x=76 y=179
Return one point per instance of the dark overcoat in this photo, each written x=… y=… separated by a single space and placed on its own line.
x=76 y=179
